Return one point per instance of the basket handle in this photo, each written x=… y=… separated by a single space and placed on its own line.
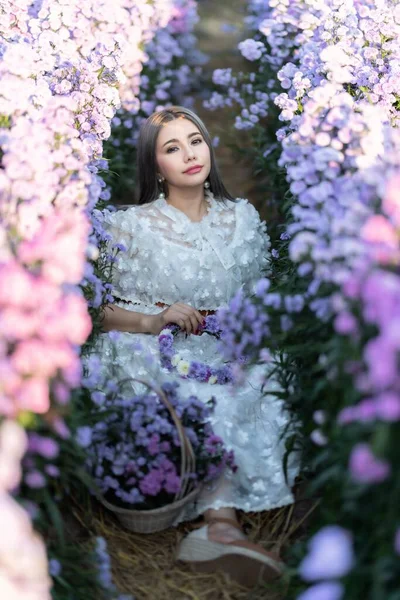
x=188 y=459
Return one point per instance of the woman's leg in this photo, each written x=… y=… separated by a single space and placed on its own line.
x=223 y=532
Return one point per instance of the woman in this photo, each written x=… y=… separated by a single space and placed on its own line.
x=190 y=247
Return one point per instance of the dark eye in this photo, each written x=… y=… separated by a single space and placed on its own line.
x=199 y=140
x=171 y=149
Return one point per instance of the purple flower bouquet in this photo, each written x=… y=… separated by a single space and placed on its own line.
x=135 y=450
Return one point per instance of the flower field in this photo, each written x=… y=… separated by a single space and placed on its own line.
x=320 y=100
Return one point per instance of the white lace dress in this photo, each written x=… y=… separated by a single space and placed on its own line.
x=171 y=259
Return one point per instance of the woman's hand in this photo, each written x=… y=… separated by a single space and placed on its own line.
x=187 y=317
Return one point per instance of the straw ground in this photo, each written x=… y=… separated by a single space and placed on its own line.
x=144 y=565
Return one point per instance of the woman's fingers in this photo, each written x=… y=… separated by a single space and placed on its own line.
x=180 y=318
x=179 y=321
x=185 y=316
x=189 y=310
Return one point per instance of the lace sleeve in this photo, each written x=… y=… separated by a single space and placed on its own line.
x=254 y=244
x=123 y=230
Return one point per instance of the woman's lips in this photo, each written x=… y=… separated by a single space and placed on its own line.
x=193 y=170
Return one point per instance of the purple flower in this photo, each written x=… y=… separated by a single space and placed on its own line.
x=52 y=470
x=61 y=428
x=54 y=567
x=294 y=303
x=224 y=375
x=198 y=371
x=135 y=450
x=46 y=447
x=212 y=324
x=318 y=437
x=261 y=287
x=214 y=471
x=251 y=49
x=151 y=483
x=328 y=590
x=114 y=335
x=330 y=554
x=98 y=398
x=35 y=480
x=172 y=483
x=222 y=76
x=165 y=345
x=365 y=467
x=388 y=406
x=153 y=444
x=84 y=436
x=397 y=542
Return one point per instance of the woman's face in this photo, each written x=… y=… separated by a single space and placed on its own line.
x=182 y=154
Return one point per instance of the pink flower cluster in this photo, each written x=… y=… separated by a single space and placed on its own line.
x=23 y=560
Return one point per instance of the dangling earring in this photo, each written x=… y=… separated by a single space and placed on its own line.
x=206 y=185
x=161 y=181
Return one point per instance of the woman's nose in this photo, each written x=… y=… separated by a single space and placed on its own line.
x=190 y=155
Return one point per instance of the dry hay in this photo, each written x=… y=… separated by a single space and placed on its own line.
x=144 y=565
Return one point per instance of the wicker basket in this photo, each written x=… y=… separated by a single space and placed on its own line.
x=150 y=521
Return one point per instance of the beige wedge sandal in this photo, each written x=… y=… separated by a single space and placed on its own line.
x=243 y=561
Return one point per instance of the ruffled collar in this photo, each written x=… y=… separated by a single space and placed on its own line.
x=177 y=215
x=202 y=229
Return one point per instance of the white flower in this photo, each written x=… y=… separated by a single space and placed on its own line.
x=176 y=360
x=183 y=367
x=165 y=332
x=318 y=437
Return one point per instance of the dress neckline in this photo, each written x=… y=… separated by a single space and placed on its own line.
x=176 y=213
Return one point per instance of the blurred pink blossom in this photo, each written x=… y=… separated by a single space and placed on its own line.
x=23 y=560
x=391 y=199
x=383 y=239
x=365 y=467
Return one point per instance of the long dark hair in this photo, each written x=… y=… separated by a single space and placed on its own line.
x=149 y=185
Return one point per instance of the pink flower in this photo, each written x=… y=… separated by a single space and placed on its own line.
x=365 y=467
x=391 y=200
x=366 y=410
x=67 y=320
x=16 y=324
x=41 y=358
x=23 y=561
x=15 y=285
x=60 y=244
x=381 y=359
x=378 y=230
x=345 y=323
x=33 y=395
x=388 y=406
